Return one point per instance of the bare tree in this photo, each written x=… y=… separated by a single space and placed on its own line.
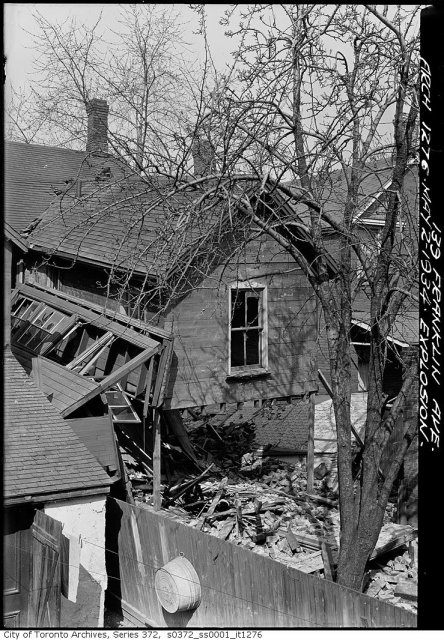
x=327 y=93
x=143 y=68
x=320 y=101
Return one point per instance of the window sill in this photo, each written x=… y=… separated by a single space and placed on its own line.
x=245 y=374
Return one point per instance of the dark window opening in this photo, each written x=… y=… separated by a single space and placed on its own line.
x=246 y=328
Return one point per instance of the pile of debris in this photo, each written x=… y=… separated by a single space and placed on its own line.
x=396 y=580
x=273 y=515
x=233 y=489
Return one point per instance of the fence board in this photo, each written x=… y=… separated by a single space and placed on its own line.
x=239 y=588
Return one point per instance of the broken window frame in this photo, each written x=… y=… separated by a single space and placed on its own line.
x=27 y=325
x=125 y=404
x=251 y=290
x=31 y=301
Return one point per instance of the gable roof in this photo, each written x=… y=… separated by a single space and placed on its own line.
x=32 y=175
x=142 y=225
x=42 y=455
x=331 y=192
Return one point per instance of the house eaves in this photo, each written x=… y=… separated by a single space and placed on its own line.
x=404 y=328
x=13 y=236
x=79 y=259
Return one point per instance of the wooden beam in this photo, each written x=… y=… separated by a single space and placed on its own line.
x=89 y=352
x=94 y=359
x=214 y=503
x=146 y=401
x=135 y=362
x=157 y=497
x=327 y=560
x=323 y=379
x=125 y=378
x=162 y=372
x=310 y=445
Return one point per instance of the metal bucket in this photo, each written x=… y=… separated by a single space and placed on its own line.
x=177 y=585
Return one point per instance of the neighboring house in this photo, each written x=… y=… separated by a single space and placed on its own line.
x=48 y=469
x=404 y=334
x=34 y=176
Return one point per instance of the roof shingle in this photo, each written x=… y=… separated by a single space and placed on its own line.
x=42 y=455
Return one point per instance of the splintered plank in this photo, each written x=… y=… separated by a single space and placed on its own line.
x=327 y=560
x=175 y=423
x=157 y=496
x=214 y=502
x=293 y=543
x=393 y=538
x=308 y=564
x=122 y=371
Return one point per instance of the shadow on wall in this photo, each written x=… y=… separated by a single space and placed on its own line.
x=113 y=594
x=87 y=610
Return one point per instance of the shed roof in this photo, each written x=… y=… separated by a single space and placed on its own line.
x=42 y=454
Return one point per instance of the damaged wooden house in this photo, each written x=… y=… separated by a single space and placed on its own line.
x=244 y=334
x=249 y=333
x=127 y=325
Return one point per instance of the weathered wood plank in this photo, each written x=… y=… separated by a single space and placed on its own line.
x=240 y=586
x=119 y=373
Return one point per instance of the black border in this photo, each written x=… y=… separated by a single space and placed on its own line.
x=430 y=498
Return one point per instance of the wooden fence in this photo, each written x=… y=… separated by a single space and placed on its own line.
x=240 y=588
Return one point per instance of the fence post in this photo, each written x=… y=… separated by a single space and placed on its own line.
x=157 y=498
x=310 y=446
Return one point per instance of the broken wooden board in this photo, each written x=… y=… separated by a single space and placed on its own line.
x=308 y=563
x=327 y=558
x=214 y=502
x=226 y=529
x=407 y=590
x=175 y=423
x=292 y=540
x=393 y=537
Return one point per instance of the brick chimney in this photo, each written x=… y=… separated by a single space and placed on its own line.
x=97 y=111
x=203 y=157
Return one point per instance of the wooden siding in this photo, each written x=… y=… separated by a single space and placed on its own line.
x=199 y=324
x=239 y=588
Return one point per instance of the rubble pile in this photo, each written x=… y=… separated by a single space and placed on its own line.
x=235 y=491
x=396 y=581
x=225 y=444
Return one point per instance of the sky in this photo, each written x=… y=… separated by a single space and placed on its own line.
x=19 y=21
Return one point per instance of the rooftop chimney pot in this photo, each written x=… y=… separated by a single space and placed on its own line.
x=203 y=157
x=97 y=111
